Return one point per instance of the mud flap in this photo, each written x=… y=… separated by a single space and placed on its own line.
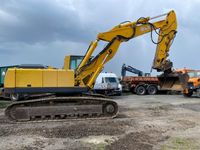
x=173 y=81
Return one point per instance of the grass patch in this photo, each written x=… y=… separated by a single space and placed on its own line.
x=4 y=104
x=180 y=144
x=100 y=146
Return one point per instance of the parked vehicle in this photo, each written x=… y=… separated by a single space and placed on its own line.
x=193 y=85
x=108 y=84
x=141 y=84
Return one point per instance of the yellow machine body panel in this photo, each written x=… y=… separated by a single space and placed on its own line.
x=9 y=81
x=50 y=78
x=28 y=78
x=65 y=78
x=37 y=78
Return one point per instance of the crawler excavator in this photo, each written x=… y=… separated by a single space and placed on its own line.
x=132 y=70
x=74 y=83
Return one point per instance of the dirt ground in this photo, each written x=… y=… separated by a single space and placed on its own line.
x=144 y=122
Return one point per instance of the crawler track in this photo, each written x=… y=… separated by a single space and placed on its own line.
x=61 y=108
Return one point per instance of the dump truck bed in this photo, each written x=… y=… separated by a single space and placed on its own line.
x=140 y=79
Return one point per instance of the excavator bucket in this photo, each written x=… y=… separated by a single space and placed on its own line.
x=173 y=81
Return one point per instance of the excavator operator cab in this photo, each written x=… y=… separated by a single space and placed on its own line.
x=72 y=62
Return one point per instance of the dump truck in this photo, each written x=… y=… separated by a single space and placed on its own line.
x=141 y=84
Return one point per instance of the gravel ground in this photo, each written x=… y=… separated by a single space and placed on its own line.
x=144 y=122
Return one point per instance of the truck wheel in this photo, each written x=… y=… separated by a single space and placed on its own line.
x=152 y=89
x=189 y=94
x=15 y=96
x=140 y=90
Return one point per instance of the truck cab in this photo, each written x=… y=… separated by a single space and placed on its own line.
x=193 y=84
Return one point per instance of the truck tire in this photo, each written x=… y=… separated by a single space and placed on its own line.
x=189 y=94
x=140 y=90
x=152 y=89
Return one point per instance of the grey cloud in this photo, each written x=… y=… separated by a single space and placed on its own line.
x=40 y=21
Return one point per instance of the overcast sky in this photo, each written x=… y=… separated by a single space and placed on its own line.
x=44 y=31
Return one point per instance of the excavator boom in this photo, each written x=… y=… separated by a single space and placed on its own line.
x=88 y=70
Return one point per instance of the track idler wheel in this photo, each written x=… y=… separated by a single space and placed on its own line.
x=109 y=109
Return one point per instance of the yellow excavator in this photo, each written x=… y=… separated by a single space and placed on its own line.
x=79 y=74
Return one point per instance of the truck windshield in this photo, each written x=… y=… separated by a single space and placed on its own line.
x=110 y=80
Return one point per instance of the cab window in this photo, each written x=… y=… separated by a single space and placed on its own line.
x=110 y=80
x=73 y=64
x=75 y=61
